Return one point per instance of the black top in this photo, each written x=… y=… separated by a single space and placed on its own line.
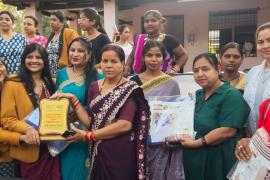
x=170 y=42
x=98 y=43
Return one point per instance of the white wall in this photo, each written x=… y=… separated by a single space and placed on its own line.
x=196 y=19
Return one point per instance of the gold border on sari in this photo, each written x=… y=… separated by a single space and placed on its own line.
x=160 y=80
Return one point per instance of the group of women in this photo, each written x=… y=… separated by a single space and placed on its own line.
x=113 y=111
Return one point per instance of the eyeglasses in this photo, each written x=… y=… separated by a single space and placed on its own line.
x=82 y=19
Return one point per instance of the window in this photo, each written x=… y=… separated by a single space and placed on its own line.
x=238 y=26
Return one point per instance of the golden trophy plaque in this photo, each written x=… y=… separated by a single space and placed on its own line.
x=53 y=119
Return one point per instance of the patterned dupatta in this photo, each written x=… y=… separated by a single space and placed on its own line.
x=250 y=94
x=105 y=107
x=156 y=82
x=139 y=44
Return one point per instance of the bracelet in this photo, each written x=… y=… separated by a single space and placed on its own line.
x=204 y=141
x=87 y=136
x=92 y=136
x=76 y=103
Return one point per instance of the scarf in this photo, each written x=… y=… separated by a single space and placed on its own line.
x=250 y=94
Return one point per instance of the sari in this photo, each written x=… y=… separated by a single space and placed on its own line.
x=163 y=163
x=75 y=158
x=121 y=157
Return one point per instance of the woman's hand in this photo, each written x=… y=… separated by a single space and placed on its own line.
x=173 y=70
x=79 y=136
x=172 y=141
x=242 y=150
x=185 y=140
x=31 y=136
x=59 y=95
x=127 y=71
x=188 y=142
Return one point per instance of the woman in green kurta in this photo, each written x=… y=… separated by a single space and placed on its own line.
x=220 y=114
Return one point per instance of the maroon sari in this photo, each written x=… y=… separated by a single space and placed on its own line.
x=46 y=167
x=122 y=157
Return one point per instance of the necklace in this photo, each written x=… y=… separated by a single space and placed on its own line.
x=39 y=94
x=160 y=37
x=76 y=74
x=237 y=78
x=102 y=85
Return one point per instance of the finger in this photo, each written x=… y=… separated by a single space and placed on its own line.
x=246 y=153
x=237 y=155
x=70 y=138
x=76 y=129
x=241 y=156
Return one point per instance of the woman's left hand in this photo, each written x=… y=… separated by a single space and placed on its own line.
x=242 y=150
x=188 y=142
x=79 y=136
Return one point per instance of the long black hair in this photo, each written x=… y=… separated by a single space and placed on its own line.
x=25 y=75
x=89 y=70
x=92 y=14
x=151 y=44
x=61 y=17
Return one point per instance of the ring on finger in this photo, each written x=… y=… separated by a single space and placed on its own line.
x=240 y=147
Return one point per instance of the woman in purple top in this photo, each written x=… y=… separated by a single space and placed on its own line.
x=118 y=120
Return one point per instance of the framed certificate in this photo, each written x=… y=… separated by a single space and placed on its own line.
x=53 y=119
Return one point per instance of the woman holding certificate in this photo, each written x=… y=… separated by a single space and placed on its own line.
x=118 y=118
x=20 y=96
x=219 y=117
x=75 y=80
x=163 y=162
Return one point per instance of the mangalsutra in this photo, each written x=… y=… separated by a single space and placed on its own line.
x=101 y=88
x=237 y=78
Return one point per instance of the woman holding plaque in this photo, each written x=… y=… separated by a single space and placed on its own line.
x=231 y=59
x=118 y=118
x=75 y=80
x=163 y=162
x=219 y=117
x=20 y=96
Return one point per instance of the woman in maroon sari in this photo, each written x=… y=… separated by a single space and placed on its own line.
x=118 y=118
